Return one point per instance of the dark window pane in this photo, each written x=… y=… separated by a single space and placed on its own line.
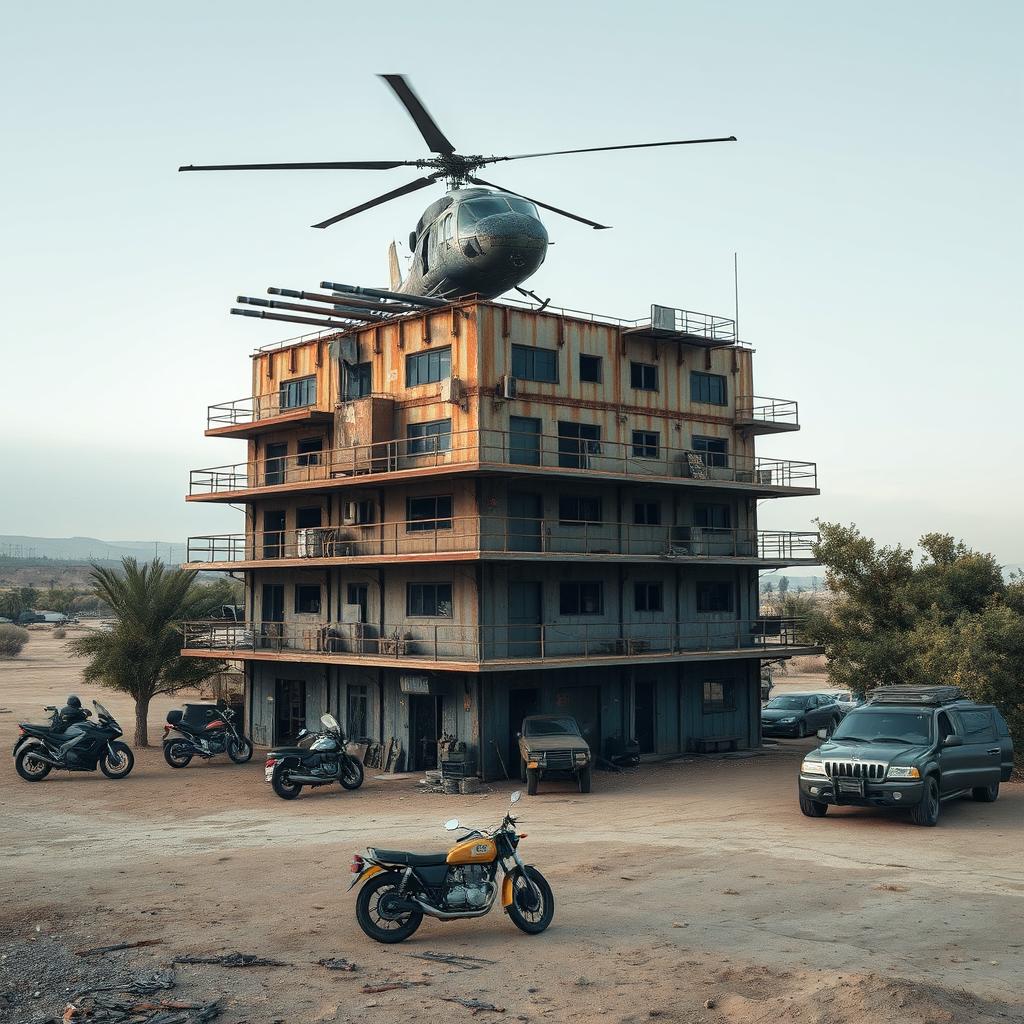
x=357 y=712
x=295 y=394
x=429 y=599
x=643 y=376
x=576 y=443
x=424 y=438
x=540 y=364
x=580 y=599
x=358 y=380
x=309 y=449
x=648 y=597
x=712 y=517
x=710 y=388
x=432 y=513
x=573 y=508
x=719 y=696
x=305 y=518
x=428 y=367
x=307 y=598
x=524 y=441
x=646 y=444
x=714 y=597
x=714 y=450
x=590 y=369
x=647 y=513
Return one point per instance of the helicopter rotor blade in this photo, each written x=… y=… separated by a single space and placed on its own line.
x=330 y=165
x=413 y=186
x=605 y=149
x=546 y=206
x=433 y=135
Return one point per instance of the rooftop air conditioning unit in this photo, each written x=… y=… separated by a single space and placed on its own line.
x=506 y=387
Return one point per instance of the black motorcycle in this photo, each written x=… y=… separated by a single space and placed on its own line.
x=76 y=747
x=325 y=761
x=203 y=730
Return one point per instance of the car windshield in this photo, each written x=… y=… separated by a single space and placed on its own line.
x=885 y=727
x=551 y=727
x=786 y=704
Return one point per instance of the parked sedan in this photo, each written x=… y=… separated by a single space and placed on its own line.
x=848 y=700
x=800 y=714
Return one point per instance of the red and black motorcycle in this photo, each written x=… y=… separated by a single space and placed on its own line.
x=203 y=730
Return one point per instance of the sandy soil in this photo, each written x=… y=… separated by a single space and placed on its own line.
x=683 y=882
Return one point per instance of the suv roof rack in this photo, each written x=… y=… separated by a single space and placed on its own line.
x=931 y=695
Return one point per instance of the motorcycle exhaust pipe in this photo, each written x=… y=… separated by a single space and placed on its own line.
x=48 y=760
x=449 y=915
x=307 y=780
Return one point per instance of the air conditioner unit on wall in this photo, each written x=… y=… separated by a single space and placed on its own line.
x=452 y=391
x=506 y=387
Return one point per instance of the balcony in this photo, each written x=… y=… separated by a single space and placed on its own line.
x=258 y=414
x=499 y=451
x=492 y=648
x=759 y=415
x=705 y=330
x=496 y=537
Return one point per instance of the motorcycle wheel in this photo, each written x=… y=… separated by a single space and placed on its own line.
x=284 y=789
x=121 y=764
x=373 y=915
x=351 y=774
x=528 y=913
x=30 y=768
x=178 y=754
x=240 y=750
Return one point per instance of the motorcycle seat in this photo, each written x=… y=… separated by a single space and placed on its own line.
x=414 y=860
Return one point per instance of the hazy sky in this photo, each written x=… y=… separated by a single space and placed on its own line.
x=874 y=198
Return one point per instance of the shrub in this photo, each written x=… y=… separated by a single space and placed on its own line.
x=12 y=639
x=59 y=633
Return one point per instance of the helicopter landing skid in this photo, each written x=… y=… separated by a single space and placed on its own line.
x=535 y=296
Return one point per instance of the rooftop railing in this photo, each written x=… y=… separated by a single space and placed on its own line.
x=779 y=411
x=505 y=448
x=257 y=407
x=481 y=644
x=502 y=535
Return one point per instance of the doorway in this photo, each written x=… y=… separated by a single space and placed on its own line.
x=520 y=704
x=289 y=710
x=424 y=731
x=274 y=468
x=644 y=716
x=272 y=612
x=584 y=704
x=525 y=615
x=523 y=441
x=525 y=520
x=273 y=534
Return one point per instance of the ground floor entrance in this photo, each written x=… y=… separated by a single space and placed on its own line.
x=425 y=729
x=289 y=710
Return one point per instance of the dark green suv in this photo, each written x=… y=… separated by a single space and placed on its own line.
x=909 y=746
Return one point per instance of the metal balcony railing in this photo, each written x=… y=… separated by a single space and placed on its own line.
x=258 y=407
x=504 y=535
x=417 y=641
x=505 y=448
x=756 y=409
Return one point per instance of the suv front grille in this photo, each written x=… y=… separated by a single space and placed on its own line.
x=871 y=771
x=560 y=760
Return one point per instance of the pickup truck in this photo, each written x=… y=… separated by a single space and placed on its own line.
x=552 y=745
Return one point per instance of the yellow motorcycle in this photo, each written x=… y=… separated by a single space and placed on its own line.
x=399 y=888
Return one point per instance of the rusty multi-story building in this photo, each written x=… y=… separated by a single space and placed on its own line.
x=464 y=515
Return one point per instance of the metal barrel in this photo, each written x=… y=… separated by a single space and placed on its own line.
x=262 y=314
x=376 y=304
x=355 y=314
x=380 y=293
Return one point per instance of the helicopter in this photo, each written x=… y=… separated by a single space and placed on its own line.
x=480 y=240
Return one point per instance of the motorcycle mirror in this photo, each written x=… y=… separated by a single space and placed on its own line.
x=516 y=797
x=451 y=825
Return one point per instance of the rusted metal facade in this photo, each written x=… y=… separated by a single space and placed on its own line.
x=504 y=509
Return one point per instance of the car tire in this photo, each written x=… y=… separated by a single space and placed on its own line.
x=583 y=778
x=801 y=729
x=532 y=777
x=927 y=811
x=986 y=794
x=812 y=808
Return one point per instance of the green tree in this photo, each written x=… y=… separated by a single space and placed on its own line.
x=783 y=586
x=141 y=656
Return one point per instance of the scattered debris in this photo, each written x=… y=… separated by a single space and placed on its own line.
x=96 y=950
x=467 y=963
x=730 y=892
x=145 y=984
x=232 y=960
x=473 y=1004
x=890 y=887
x=387 y=986
x=92 y=1006
x=709 y=1004
x=338 y=963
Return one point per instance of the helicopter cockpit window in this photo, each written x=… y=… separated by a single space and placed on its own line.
x=523 y=206
x=475 y=209
x=447 y=229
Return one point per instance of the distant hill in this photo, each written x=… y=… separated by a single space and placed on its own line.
x=87 y=549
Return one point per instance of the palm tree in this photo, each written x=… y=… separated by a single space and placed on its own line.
x=141 y=655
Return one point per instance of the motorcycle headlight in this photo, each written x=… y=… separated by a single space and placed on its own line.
x=812 y=767
x=898 y=772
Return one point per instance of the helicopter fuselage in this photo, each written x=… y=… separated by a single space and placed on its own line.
x=474 y=240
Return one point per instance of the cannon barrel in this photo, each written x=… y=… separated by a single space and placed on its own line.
x=354 y=314
x=375 y=304
x=381 y=293
x=262 y=314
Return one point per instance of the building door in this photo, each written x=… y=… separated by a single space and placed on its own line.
x=525 y=520
x=273 y=614
x=524 y=441
x=273 y=534
x=274 y=469
x=525 y=615
x=289 y=710
x=644 y=715
x=584 y=704
x=424 y=731
x=520 y=704
x=576 y=443
x=359 y=594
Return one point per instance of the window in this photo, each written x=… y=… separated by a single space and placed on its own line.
x=646 y=444
x=357 y=719
x=576 y=443
x=715 y=450
x=424 y=514
x=359 y=594
x=428 y=367
x=643 y=376
x=524 y=440
x=712 y=517
x=306 y=518
x=714 y=597
x=307 y=598
x=309 y=450
x=358 y=380
x=435 y=436
x=277 y=458
x=294 y=394
x=648 y=597
x=719 y=696
x=710 y=388
x=530 y=363
x=647 y=513
x=574 y=508
x=977 y=726
x=359 y=513
x=447 y=230
x=429 y=599
x=591 y=369
x=581 y=599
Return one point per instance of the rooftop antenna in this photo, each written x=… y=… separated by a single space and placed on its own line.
x=736 y=292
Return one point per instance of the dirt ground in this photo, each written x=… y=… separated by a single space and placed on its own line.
x=682 y=883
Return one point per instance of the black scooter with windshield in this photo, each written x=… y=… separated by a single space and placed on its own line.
x=74 y=746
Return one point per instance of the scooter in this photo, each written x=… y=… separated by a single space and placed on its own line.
x=288 y=769
x=399 y=888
